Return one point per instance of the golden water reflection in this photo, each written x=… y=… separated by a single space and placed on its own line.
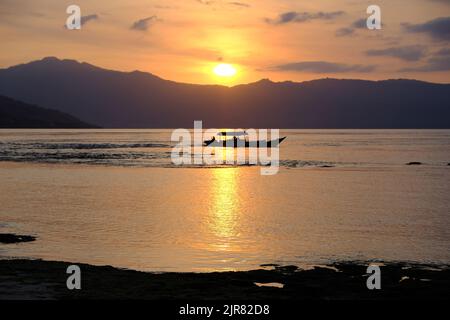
x=225 y=209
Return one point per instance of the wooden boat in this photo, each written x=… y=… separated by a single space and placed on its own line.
x=236 y=142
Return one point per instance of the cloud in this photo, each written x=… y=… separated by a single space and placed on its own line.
x=439 y=62
x=443 y=51
x=86 y=19
x=435 y=64
x=205 y=2
x=360 y=24
x=324 y=67
x=438 y=28
x=407 y=53
x=216 y=4
x=143 y=24
x=350 y=30
x=442 y=1
x=342 y=32
x=239 y=4
x=299 y=17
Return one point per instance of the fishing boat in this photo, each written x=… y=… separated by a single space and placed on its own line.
x=240 y=139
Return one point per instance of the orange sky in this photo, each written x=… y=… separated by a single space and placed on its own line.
x=183 y=40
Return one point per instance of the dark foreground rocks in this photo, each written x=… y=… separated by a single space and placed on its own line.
x=8 y=238
x=35 y=279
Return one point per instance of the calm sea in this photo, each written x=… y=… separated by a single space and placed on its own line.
x=112 y=197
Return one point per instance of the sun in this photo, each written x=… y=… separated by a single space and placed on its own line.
x=225 y=70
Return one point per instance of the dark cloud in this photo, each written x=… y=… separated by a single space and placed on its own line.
x=438 y=28
x=240 y=4
x=299 y=17
x=324 y=67
x=360 y=24
x=345 y=32
x=435 y=64
x=442 y=1
x=439 y=62
x=86 y=19
x=443 y=51
x=350 y=30
x=143 y=24
x=407 y=53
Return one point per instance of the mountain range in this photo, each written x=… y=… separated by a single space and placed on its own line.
x=16 y=114
x=141 y=100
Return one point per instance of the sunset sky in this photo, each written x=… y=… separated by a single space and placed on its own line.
x=184 y=40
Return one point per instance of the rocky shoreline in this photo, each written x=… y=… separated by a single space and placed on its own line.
x=37 y=280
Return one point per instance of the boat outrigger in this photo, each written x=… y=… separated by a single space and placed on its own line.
x=237 y=142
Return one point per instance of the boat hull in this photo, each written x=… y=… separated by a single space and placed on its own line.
x=248 y=144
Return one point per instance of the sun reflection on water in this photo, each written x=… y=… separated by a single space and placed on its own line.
x=225 y=209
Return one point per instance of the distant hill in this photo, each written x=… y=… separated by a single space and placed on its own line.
x=15 y=114
x=142 y=100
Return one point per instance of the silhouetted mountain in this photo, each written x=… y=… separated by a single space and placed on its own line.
x=15 y=114
x=137 y=99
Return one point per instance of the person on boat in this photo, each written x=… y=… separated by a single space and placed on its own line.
x=235 y=141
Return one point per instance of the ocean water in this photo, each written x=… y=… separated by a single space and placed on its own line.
x=113 y=197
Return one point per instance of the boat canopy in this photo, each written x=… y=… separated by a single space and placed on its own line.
x=232 y=133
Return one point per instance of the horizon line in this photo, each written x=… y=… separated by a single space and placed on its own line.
x=54 y=58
